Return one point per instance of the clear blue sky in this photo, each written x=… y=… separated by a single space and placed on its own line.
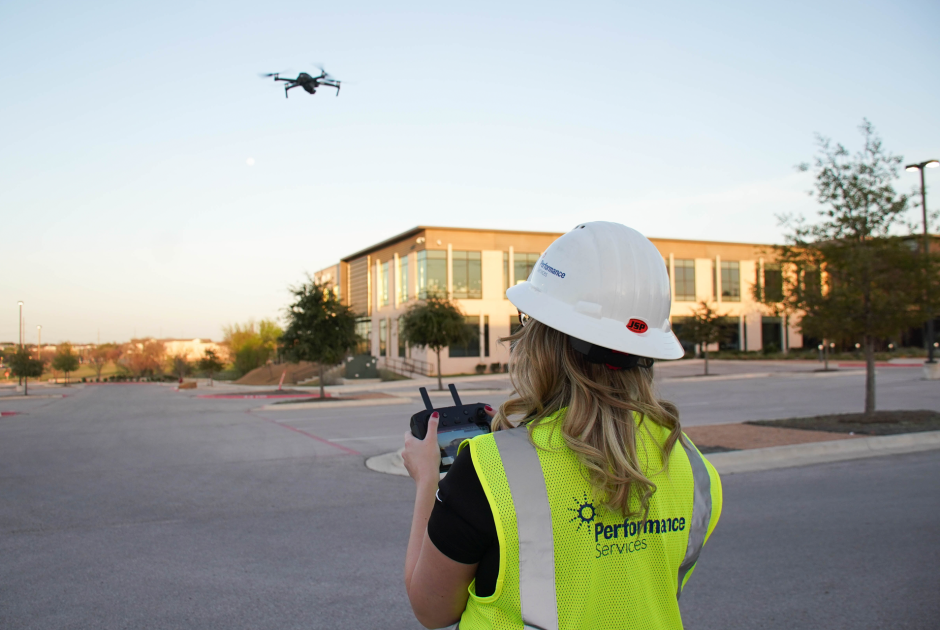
x=128 y=206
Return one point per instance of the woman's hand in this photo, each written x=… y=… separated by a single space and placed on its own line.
x=423 y=457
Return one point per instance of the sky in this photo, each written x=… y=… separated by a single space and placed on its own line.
x=129 y=207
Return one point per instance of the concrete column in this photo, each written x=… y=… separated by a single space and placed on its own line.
x=741 y=334
x=717 y=282
x=672 y=279
x=512 y=267
x=450 y=271
x=760 y=276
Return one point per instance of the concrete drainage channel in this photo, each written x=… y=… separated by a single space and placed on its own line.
x=752 y=460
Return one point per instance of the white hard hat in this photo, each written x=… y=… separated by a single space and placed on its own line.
x=606 y=284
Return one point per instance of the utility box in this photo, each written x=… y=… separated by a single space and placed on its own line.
x=361 y=366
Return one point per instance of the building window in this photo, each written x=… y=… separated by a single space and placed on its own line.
x=523 y=264
x=472 y=346
x=468 y=275
x=364 y=331
x=432 y=273
x=401 y=284
x=402 y=349
x=486 y=335
x=383 y=336
x=685 y=280
x=514 y=325
x=772 y=287
x=384 y=280
x=730 y=281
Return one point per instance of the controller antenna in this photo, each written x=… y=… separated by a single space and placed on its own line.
x=453 y=392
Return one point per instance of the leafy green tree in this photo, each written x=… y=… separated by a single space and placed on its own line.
x=435 y=323
x=251 y=344
x=849 y=275
x=180 y=365
x=704 y=327
x=24 y=366
x=320 y=329
x=65 y=360
x=210 y=363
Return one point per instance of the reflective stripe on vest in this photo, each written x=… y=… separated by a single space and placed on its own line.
x=534 y=523
x=701 y=511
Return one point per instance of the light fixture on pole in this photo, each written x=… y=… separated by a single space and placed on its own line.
x=923 y=205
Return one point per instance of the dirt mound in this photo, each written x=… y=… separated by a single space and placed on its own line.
x=271 y=374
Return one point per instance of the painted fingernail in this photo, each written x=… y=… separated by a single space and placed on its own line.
x=488 y=408
x=435 y=415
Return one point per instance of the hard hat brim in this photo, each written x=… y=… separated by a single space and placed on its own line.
x=654 y=343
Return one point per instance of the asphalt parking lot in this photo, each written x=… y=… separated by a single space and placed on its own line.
x=125 y=506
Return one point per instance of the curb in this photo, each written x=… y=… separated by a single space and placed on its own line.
x=366 y=402
x=753 y=460
x=389 y=463
x=794 y=455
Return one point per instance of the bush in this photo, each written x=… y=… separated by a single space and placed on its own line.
x=496 y=368
x=481 y=368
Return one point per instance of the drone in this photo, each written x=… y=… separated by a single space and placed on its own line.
x=307 y=82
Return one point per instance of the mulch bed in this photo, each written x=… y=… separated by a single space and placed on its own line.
x=880 y=423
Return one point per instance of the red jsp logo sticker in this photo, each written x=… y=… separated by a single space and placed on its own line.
x=637 y=325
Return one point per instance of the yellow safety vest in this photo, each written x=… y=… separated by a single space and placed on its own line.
x=565 y=562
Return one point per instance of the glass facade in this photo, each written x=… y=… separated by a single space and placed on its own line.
x=401 y=282
x=514 y=324
x=486 y=335
x=685 y=280
x=402 y=350
x=384 y=281
x=773 y=283
x=383 y=336
x=364 y=331
x=522 y=265
x=472 y=346
x=730 y=281
x=468 y=275
x=432 y=273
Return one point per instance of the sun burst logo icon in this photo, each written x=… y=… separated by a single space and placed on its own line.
x=584 y=512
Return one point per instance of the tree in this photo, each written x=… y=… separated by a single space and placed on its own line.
x=704 y=327
x=23 y=365
x=210 y=363
x=849 y=275
x=252 y=344
x=319 y=328
x=65 y=360
x=435 y=323
x=180 y=365
x=102 y=354
x=144 y=358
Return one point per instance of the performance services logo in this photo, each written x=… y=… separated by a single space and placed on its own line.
x=620 y=537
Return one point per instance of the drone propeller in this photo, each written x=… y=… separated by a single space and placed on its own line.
x=326 y=75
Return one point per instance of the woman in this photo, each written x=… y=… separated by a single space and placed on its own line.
x=591 y=511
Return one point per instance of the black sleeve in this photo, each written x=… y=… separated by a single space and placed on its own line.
x=461 y=524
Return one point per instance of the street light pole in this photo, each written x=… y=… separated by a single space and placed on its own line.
x=20 y=304
x=39 y=342
x=923 y=205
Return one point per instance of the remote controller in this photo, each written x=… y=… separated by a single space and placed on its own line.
x=456 y=424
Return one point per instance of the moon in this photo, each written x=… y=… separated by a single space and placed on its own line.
x=250 y=161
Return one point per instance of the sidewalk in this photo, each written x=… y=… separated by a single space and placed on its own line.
x=763 y=448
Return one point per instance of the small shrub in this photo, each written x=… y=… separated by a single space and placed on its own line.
x=506 y=368
x=496 y=368
x=480 y=368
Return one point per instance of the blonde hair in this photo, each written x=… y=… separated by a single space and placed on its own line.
x=598 y=402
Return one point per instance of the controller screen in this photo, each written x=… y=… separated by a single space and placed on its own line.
x=449 y=441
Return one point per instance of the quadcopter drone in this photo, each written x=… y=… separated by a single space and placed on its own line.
x=307 y=82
